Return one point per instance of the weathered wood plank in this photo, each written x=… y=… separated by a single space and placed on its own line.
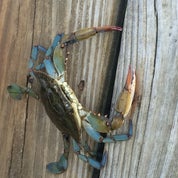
x=27 y=137
x=149 y=43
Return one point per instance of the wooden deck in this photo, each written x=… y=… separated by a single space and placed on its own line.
x=149 y=43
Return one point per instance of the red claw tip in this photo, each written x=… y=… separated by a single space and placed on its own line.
x=117 y=28
x=130 y=78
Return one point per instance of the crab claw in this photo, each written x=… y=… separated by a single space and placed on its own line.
x=126 y=98
x=86 y=33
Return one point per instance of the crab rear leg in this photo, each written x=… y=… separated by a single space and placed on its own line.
x=88 y=150
x=61 y=165
x=88 y=159
x=17 y=92
x=86 y=33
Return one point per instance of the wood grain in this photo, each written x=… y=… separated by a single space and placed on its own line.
x=27 y=137
x=149 y=43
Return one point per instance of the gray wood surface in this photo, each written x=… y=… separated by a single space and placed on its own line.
x=150 y=44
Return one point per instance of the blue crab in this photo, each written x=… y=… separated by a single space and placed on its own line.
x=62 y=105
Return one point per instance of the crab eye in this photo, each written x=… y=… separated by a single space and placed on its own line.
x=66 y=105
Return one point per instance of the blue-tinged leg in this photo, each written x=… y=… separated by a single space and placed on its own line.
x=61 y=165
x=35 y=51
x=88 y=159
x=88 y=150
x=109 y=139
x=17 y=92
x=46 y=63
x=120 y=137
x=49 y=66
x=55 y=42
x=33 y=59
x=34 y=55
x=56 y=67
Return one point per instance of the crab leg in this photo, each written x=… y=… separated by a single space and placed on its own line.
x=94 y=124
x=88 y=150
x=109 y=139
x=54 y=67
x=17 y=92
x=88 y=159
x=55 y=43
x=61 y=40
x=61 y=165
x=55 y=50
x=46 y=63
x=126 y=98
x=85 y=33
x=34 y=56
